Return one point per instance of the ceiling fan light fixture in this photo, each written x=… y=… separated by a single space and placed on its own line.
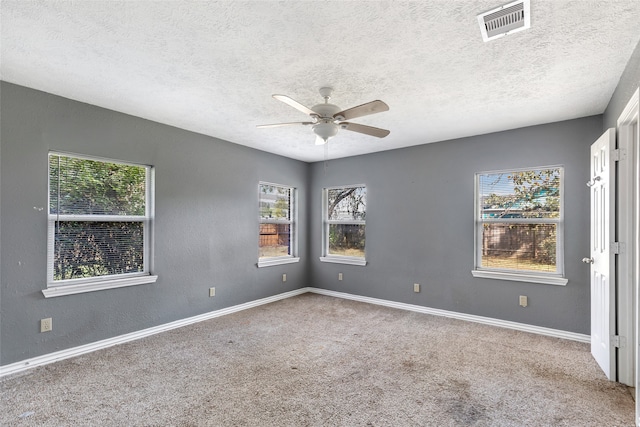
x=325 y=130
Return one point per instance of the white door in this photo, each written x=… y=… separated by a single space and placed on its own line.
x=602 y=261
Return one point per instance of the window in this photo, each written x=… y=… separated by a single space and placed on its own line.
x=345 y=211
x=277 y=242
x=519 y=219
x=99 y=225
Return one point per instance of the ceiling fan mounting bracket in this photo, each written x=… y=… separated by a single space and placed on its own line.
x=326 y=92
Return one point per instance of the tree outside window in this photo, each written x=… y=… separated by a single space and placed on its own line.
x=345 y=221
x=98 y=218
x=519 y=220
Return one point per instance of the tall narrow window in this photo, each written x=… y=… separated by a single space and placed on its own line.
x=345 y=211
x=277 y=236
x=99 y=222
x=519 y=219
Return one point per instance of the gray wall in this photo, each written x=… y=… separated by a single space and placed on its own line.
x=419 y=221
x=629 y=82
x=206 y=229
x=420 y=224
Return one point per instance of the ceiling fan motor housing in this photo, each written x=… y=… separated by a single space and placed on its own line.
x=326 y=110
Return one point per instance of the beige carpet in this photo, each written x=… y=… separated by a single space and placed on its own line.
x=319 y=361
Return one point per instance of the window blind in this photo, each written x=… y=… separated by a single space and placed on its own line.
x=98 y=218
x=519 y=220
x=276 y=207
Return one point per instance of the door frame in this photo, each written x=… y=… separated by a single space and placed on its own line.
x=626 y=212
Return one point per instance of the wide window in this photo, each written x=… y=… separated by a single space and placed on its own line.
x=99 y=224
x=519 y=219
x=277 y=242
x=345 y=211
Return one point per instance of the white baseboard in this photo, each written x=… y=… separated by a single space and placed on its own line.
x=121 y=339
x=461 y=316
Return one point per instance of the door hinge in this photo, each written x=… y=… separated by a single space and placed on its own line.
x=617 y=248
x=618 y=154
x=618 y=342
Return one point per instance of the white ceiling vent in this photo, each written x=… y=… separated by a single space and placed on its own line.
x=503 y=20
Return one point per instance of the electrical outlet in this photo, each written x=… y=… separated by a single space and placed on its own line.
x=416 y=287
x=339 y=276
x=284 y=277
x=212 y=292
x=46 y=324
x=523 y=300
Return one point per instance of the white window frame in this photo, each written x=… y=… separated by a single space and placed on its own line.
x=293 y=229
x=57 y=288
x=556 y=278
x=339 y=259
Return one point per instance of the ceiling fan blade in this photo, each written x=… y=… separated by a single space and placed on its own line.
x=363 y=110
x=277 y=125
x=295 y=104
x=367 y=130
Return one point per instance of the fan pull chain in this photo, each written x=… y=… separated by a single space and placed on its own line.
x=326 y=157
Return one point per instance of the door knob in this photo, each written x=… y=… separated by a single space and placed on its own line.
x=587 y=260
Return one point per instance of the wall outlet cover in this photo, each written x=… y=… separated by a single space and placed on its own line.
x=523 y=301
x=46 y=325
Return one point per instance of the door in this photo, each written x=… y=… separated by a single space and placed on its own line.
x=602 y=261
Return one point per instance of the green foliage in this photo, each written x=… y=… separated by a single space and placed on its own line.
x=547 y=252
x=93 y=249
x=536 y=194
x=86 y=187
x=346 y=237
x=86 y=248
x=278 y=205
x=265 y=210
x=281 y=208
x=538 y=191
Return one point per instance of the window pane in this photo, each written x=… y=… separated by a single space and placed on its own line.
x=528 y=247
x=346 y=240
x=81 y=186
x=93 y=249
x=346 y=204
x=523 y=194
x=275 y=240
x=275 y=202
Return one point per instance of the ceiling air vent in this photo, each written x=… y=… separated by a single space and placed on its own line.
x=503 y=20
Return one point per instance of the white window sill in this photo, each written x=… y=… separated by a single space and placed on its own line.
x=344 y=260
x=98 y=285
x=277 y=261
x=520 y=277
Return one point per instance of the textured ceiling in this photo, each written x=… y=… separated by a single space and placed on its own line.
x=211 y=67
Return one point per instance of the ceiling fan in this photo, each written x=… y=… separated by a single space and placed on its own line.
x=327 y=119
